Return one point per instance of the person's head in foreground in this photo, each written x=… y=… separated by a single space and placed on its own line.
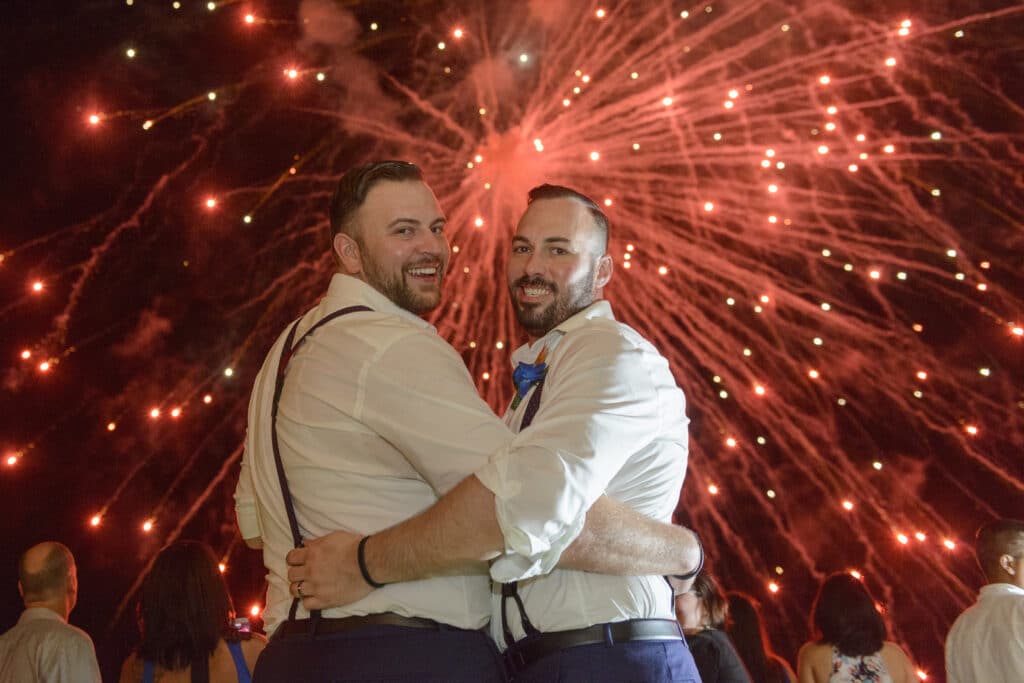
x=47 y=577
x=184 y=606
x=703 y=606
x=559 y=263
x=1000 y=550
x=387 y=229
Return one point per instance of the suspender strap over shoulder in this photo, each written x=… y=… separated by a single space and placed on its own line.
x=287 y=351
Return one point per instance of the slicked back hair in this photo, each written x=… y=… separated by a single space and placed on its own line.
x=548 y=191
x=357 y=183
x=184 y=607
x=844 y=614
x=710 y=595
x=998 y=538
x=51 y=580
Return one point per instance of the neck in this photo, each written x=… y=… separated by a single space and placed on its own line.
x=60 y=607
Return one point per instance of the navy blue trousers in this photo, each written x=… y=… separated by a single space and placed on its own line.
x=395 y=654
x=639 y=661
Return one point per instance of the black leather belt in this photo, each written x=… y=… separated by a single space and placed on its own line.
x=531 y=649
x=308 y=627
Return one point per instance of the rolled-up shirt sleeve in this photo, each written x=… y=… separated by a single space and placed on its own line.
x=599 y=407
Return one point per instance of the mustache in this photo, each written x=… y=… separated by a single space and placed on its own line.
x=426 y=261
x=527 y=281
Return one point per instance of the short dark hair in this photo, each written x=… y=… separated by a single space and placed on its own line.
x=50 y=579
x=995 y=539
x=845 y=615
x=706 y=589
x=357 y=183
x=184 y=607
x=547 y=191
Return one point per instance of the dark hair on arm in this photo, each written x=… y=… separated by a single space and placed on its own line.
x=844 y=614
x=184 y=607
x=548 y=191
x=357 y=183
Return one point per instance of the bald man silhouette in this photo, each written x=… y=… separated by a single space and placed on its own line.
x=43 y=646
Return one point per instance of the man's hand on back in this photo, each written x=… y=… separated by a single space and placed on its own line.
x=325 y=573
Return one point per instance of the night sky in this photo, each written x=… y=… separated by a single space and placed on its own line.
x=816 y=213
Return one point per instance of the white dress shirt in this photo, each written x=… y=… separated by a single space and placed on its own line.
x=42 y=647
x=611 y=420
x=986 y=643
x=378 y=418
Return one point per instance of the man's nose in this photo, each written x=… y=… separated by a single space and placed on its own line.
x=434 y=243
x=534 y=264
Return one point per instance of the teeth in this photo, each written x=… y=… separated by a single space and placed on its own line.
x=423 y=271
x=535 y=291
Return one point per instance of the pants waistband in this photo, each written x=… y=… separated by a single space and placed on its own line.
x=523 y=653
x=323 y=625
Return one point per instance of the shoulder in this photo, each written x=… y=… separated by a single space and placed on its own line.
x=892 y=649
x=612 y=348
x=893 y=654
x=815 y=652
x=607 y=335
x=897 y=662
x=66 y=635
x=131 y=670
x=251 y=649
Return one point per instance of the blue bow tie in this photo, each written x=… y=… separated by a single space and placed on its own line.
x=526 y=375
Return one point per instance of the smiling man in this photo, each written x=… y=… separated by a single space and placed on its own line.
x=378 y=414
x=598 y=416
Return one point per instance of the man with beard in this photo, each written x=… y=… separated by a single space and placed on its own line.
x=377 y=419
x=597 y=411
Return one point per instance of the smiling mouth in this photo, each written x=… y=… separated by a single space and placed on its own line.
x=424 y=272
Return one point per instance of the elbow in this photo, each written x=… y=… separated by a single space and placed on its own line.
x=254 y=543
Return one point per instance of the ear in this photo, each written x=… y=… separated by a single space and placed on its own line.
x=349 y=256
x=1006 y=562
x=21 y=591
x=604 y=272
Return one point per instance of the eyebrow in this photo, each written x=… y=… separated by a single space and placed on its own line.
x=397 y=221
x=547 y=240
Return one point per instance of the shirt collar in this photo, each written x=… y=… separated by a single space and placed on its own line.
x=37 y=613
x=527 y=353
x=350 y=291
x=994 y=589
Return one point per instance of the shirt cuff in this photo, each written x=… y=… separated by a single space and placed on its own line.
x=533 y=545
x=248 y=519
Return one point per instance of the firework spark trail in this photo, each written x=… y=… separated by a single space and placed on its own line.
x=688 y=179
x=186 y=516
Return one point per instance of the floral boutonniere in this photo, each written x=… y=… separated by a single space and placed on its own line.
x=526 y=375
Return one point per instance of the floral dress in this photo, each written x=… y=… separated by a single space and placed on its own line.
x=859 y=669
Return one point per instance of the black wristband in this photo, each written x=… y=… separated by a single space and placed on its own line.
x=682 y=577
x=361 y=556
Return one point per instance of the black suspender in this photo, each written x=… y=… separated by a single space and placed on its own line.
x=511 y=589
x=287 y=351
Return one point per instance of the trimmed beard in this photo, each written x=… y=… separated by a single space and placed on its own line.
x=539 y=321
x=395 y=288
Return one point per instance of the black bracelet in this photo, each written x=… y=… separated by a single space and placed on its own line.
x=361 y=555
x=682 y=577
